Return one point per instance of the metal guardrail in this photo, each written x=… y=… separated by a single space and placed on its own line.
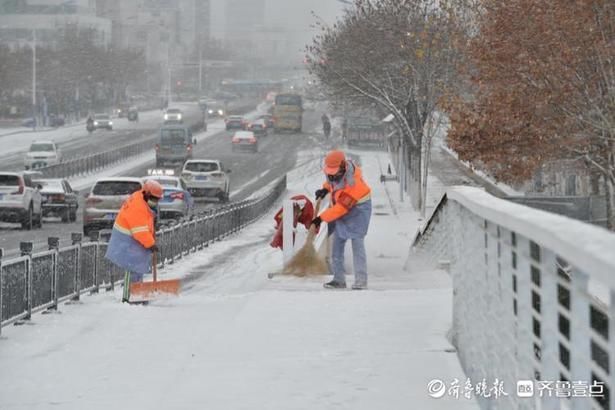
x=95 y=162
x=35 y=282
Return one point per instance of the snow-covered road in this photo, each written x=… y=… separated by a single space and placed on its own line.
x=236 y=340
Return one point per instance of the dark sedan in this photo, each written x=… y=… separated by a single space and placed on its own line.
x=59 y=199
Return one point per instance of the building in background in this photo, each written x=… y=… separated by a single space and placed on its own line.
x=49 y=18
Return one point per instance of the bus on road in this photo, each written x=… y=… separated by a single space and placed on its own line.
x=288 y=113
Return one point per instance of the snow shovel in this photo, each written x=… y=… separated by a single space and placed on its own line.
x=307 y=261
x=145 y=291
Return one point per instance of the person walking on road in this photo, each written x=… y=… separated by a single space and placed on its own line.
x=349 y=214
x=133 y=236
x=326 y=125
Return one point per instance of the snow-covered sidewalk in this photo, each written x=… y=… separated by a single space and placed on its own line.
x=237 y=340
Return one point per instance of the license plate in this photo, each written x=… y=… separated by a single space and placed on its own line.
x=110 y=217
x=201 y=178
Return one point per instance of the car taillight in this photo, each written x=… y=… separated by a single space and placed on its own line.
x=217 y=174
x=20 y=189
x=92 y=201
x=59 y=197
x=177 y=195
x=253 y=140
x=235 y=140
x=186 y=175
x=188 y=147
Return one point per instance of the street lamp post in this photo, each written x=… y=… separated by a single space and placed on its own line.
x=34 y=78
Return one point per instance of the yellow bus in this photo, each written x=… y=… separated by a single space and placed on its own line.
x=288 y=113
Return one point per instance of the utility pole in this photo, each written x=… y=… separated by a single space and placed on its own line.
x=169 y=74
x=34 y=77
x=200 y=67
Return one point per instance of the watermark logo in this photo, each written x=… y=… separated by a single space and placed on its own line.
x=436 y=389
x=525 y=388
x=469 y=389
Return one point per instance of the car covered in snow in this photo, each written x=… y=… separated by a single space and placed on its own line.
x=42 y=154
x=207 y=178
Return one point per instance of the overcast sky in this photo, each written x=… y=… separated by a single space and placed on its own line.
x=293 y=15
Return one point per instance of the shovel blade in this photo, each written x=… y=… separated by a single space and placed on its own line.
x=146 y=290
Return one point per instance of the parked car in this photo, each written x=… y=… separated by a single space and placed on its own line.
x=174 y=146
x=235 y=122
x=173 y=116
x=133 y=114
x=207 y=178
x=244 y=141
x=20 y=200
x=59 y=199
x=268 y=118
x=103 y=121
x=29 y=122
x=258 y=127
x=42 y=154
x=105 y=200
x=177 y=201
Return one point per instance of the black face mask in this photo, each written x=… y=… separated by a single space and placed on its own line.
x=337 y=177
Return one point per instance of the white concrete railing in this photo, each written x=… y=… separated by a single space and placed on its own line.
x=533 y=298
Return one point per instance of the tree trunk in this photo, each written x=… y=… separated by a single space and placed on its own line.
x=610 y=203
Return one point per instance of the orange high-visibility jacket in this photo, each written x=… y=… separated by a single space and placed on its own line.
x=346 y=194
x=136 y=219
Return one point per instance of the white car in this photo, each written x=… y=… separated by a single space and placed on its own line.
x=42 y=154
x=207 y=178
x=173 y=116
x=20 y=200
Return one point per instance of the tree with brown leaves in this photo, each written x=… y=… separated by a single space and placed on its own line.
x=544 y=89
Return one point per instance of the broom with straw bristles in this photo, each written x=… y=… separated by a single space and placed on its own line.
x=307 y=261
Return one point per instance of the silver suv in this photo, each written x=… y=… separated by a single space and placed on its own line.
x=105 y=200
x=207 y=178
x=20 y=200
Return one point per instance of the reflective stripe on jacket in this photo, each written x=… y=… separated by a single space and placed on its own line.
x=133 y=235
x=351 y=205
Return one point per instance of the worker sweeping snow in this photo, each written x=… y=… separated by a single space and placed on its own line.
x=133 y=237
x=348 y=216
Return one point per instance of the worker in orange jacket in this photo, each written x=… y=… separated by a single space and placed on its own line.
x=133 y=237
x=349 y=214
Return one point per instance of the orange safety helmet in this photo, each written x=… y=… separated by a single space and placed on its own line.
x=333 y=162
x=153 y=188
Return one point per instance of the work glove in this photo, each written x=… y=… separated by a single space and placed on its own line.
x=316 y=222
x=321 y=193
x=154 y=248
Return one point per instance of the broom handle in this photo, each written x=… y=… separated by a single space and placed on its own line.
x=312 y=230
x=154 y=262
